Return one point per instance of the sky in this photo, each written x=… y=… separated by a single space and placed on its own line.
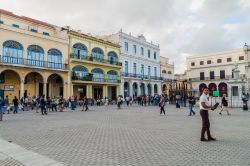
x=181 y=27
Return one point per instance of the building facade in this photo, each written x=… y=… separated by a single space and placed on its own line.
x=141 y=65
x=167 y=74
x=95 y=67
x=216 y=72
x=34 y=57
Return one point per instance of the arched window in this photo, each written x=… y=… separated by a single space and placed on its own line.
x=164 y=71
x=97 y=54
x=112 y=76
x=12 y=52
x=54 y=58
x=112 y=58
x=169 y=72
x=79 y=72
x=80 y=51
x=98 y=75
x=35 y=56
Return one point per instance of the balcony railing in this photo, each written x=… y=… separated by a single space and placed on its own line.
x=93 y=59
x=215 y=78
x=94 y=79
x=32 y=62
x=140 y=76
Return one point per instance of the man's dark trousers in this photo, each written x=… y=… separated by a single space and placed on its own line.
x=205 y=124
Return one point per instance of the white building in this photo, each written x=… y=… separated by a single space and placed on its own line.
x=141 y=65
x=215 y=71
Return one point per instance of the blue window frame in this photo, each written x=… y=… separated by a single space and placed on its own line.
x=35 y=56
x=15 y=25
x=112 y=76
x=155 y=71
x=142 y=71
x=12 y=52
x=134 y=49
x=149 y=53
x=126 y=67
x=134 y=69
x=98 y=75
x=142 y=51
x=33 y=30
x=154 y=55
x=112 y=58
x=80 y=72
x=80 y=51
x=149 y=71
x=98 y=54
x=126 y=46
x=46 y=33
x=55 y=58
x=1 y=22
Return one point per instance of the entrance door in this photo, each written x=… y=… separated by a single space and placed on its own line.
x=98 y=92
x=2 y=93
x=41 y=89
x=82 y=91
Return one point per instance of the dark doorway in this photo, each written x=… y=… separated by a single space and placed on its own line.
x=98 y=92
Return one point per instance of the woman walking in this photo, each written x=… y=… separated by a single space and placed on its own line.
x=224 y=105
x=162 y=104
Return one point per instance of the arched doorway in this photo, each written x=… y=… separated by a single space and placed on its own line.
x=212 y=87
x=33 y=85
x=201 y=87
x=222 y=88
x=155 y=89
x=135 y=89
x=10 y=84
x=142 y=87
x=149 y=86
x=55 y=86
x=126 y=89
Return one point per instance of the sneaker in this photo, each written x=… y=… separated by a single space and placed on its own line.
x=203 y=139
x=211 y=139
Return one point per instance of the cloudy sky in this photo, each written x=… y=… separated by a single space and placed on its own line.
x=181 y=27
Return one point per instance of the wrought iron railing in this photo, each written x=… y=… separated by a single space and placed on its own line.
x=94 y=79
x=93 y=59
x=32 y=62
x=140 y=76
x=226 y=77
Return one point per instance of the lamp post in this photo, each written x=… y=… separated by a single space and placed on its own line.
x=246 y=49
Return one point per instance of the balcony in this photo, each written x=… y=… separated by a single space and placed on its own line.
x=32 y=63
x=215 y=78
x=93 y=79
x=92 y=59
x=142 y=77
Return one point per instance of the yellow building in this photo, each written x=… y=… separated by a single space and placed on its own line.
x=95 y=67
x=34 y=57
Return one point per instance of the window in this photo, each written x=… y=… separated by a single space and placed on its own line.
x=134 y=68
x=15 y=25
x=112 y=76
x=98 y=75
x=149 y=71
x=155 y=71
x=12 y=52
x=2 y=78
x=154 y=55
x=55 y=59
x=142 y=51
x=209 y=62
x=134 y=48
x=79 y=51
x=112 y=58
x=46 y=33
x=98 y=54
x=35 y=56
x=164 y=72
x=235 y=91
x=169 y=72
x=222 y=74
x=126 y=46
x=241 y=58
x=229 y=59
x=192 y=64
x=33 y=30
x=142 y=71
x=219 y=60
x=202 y=76
x=201 y=62
x=1 y=22
x=126 y=67
x=148 y=53
x=211 y=75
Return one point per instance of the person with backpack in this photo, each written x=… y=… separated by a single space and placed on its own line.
x=224 y=105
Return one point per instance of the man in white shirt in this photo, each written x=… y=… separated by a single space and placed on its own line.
x=204 y=107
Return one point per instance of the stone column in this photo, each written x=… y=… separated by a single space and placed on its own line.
x=45 y=89
x=118 y=90
x=130 y=88
x=65 y=90
x=138 y=89
x=22 y=88
x=89 y=91
x=122 y=87
x=105 y=91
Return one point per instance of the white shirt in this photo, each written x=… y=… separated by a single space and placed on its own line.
x=203 y=98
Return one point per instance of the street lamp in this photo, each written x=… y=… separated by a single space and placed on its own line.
x=246 y=49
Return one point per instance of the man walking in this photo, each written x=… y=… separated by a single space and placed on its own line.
x=15 y=102
x=162 y=104
x=204 y=107
x=191 y=102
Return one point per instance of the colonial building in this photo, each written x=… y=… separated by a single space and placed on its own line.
x=95 y=67
x=216 y=70
x=141 y=65
x=167 y=74
x=34 y=57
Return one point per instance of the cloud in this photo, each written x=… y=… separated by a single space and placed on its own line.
x=181 y=27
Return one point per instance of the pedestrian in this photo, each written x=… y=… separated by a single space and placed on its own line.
x=15 y=102
x=43 y=105
x=119 y=101
x=85 y=104
x=191 y=102
x=127 y=100
x=162 y=104
x=204 y=107
x=53 y=105
x=1 y=105
x=7 y=104
x=224 y=105
x=48 y=104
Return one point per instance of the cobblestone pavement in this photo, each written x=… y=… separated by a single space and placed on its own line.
x=131 y=136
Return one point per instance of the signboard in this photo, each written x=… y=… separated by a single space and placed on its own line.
x=216 y=93
x=9 y=87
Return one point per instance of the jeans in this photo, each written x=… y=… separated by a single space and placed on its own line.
x=191 y=109
x=15 y=109
x=205 y=124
